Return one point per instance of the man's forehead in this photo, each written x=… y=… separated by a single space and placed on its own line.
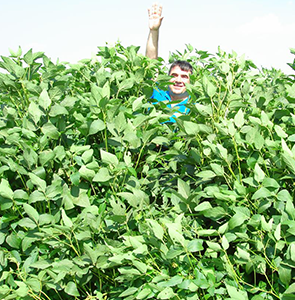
x=178 y=70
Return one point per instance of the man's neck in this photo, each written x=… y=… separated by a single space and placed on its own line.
x=175 y=97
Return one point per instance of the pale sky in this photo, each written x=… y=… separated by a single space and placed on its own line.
x=70 y=30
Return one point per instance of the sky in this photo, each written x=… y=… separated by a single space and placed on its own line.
x=71 y=30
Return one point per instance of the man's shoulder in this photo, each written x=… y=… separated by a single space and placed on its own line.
x=160 y=95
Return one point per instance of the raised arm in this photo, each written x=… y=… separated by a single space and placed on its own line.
x=155 y=20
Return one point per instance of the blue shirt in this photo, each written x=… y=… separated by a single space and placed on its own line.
x=161 y=95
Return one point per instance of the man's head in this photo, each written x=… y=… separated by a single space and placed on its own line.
x=180 y=71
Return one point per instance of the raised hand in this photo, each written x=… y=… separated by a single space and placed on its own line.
x=155 y=16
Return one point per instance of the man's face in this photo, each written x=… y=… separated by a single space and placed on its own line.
x=179 y=79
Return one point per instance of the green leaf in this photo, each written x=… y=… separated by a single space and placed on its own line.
x=5 y=190
x=66 y=220
x=157 y=228
x=44 y=100
x=239 y=119
x=128 y=292
x=285 y=274
x=203 y=206
x=35 y=112
x=31 y=212
x=235 y=294
x=175 y=233
x=126 y=84
x=58 y=110
x=86 y=173
x=183 y=188
x=109 y=158
x=50 y=130
x=144 y=293
x=91 y=253
x=289 y=161
x=209 y=87
x=280 y=132
x=96 y=126
x=71 y=289
x=102 y=175
x=208 y=174
x=237 y=220
x=261 y=193
x=258 y=173
x=137 y=103
x=167 y=293
x=40 y=183
x=195 y=245
x=290 y=289
x=26 y=222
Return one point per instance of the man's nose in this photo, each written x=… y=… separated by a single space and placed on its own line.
x=178 y=78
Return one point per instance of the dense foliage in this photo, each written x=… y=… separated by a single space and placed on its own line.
x=100 y=198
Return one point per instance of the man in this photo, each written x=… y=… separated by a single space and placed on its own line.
x=179 y=70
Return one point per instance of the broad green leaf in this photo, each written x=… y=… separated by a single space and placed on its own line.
x=46 y=156
x=128 y=292
x=35 y=112
x=22 y=290
x=175 y=233
x=144 y=293
x=137 y=103
x=87 y=156
x=86 y=173
x=66 y=220
x=157 y=228
x=280 y=132
x=50 y=130
x=26 y=222
x=191 y=128
x=142 y=267
x=208 y=174
x=128 y=271
x=217 y=169
x=91 y=253
x=71 y=289
x=102 y=175
x=58 y=110
x=236 y=294
x=167 y=293
x=258 y=173
x=126 y=84
x=204 y=110
x=195 y=245
x=183 y=188
x=209 y=87
x=44 y=100
x=290 y=289
x=285 y=274
x=239 y=119
x=31 y=212
x=5 y=189
x=237 y=220
x=30 y=157
x=203 y=206
x=28 y=57
x=262 y=193
x=222 y=151
x=40 y=183
x=277 y=233
x=109 y=158
x=96 y=126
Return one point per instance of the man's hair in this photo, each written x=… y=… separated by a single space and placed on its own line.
x=183 y=65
